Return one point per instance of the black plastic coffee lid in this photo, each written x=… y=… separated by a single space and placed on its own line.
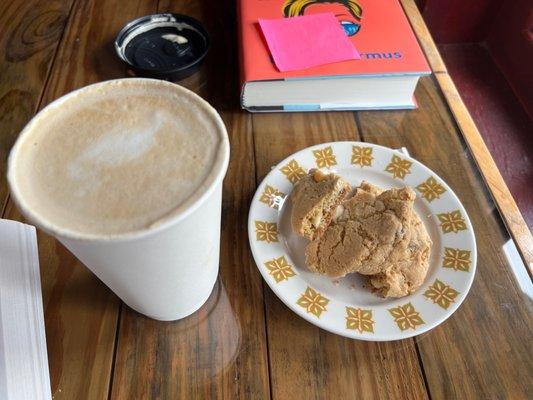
x=167 y=46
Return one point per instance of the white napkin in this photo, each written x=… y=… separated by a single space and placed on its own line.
x=23 y=358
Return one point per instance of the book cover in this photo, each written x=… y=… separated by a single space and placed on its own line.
x=378 y=29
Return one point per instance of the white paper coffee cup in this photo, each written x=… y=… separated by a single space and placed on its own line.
x=167 y=271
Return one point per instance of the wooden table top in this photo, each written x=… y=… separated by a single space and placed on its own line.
x=244 y=343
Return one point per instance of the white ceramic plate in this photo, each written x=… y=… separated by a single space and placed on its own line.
x=345 y=307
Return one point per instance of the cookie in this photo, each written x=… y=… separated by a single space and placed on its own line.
x=408 y=273
x=377 y=234
x=314 y=199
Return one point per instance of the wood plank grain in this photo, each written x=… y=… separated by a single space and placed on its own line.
x=305 y=361
x=81 y=314
x=88 y=54
x=30 y=32
x=502 y=196
x=219 y=352
x=483 y=350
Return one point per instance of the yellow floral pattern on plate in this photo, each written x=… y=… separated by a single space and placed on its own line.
x=398 y=167
x=452 y=222
x=313 y=302
x=431 y=189
x=406 y=317
x=280 y=269
x=441 y=294
x=293 y=171
x=325 y=158
x=359 y=320
x=272 y=197
x=452 y=261
x=362 y=156
x=457 y=259
x=266 y=231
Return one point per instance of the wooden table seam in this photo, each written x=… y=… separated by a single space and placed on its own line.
x=115 y=350
x=265 y=332
x=413 y=340
x=422 y=369
x=4 y=205
x=263 y=283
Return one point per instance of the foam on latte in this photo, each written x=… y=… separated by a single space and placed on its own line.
x=117 y=157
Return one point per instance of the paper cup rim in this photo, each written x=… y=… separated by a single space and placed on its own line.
x=193 y=202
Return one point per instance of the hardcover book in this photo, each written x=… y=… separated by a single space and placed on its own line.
x=384 y=78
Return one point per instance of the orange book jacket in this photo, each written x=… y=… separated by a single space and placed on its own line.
x=378 y=29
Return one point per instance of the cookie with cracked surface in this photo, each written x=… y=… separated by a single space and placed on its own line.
x=409 y=273
x=378 y=232
x=314 y=199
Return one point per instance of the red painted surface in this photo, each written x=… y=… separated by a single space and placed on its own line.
x=496 y=86
x=499 y=116
x=460 y=21
x=511 y=44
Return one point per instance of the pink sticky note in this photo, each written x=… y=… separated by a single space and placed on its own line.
x=304 y=42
